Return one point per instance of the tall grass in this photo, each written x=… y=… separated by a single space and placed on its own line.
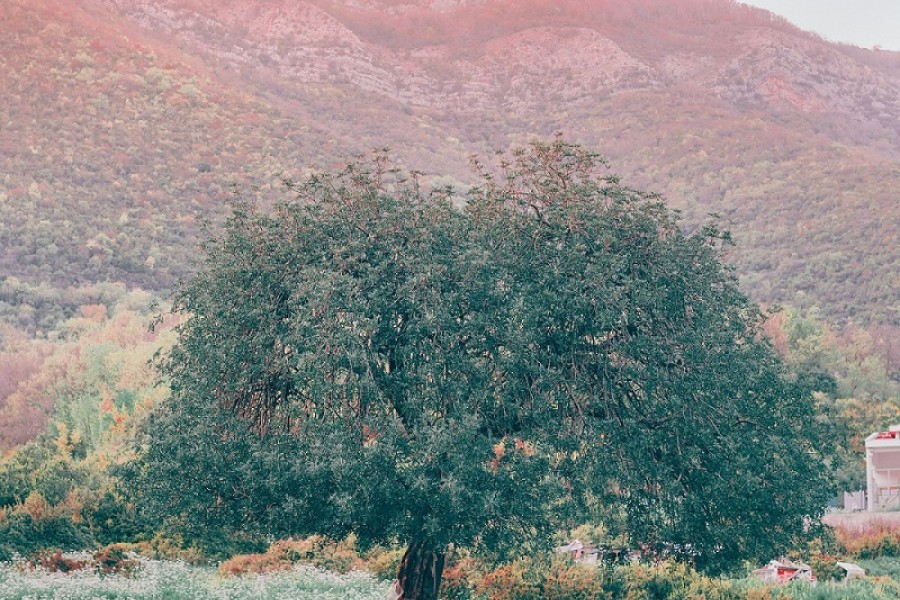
x=172 y=580
x=864 y=589
x=883 y=566
x=168 y=580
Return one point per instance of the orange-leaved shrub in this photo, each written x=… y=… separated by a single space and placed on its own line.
x=318 y=551
x=115 y=558
x=874 y=538
x=518 y=580
x=569 y=581
x=459 y=577
x=54 y=562
x=562 y=579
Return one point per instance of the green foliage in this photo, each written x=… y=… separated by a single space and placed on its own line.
x=855 y=363
x=113 y=520
x=383 y=563
x=176 y=464
x=69 y=406
x=37 y=468
x=174 y=137
x=880 y=546
x=854 y=372
x=50 y=501
x=405 y=369
x=89 y=382
x=26 y=533
x=882 y=567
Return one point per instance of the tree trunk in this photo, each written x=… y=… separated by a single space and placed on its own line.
x=419 y=576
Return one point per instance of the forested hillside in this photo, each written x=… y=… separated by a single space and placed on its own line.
x=134 y=133
x=97 y=447
x=126 y=122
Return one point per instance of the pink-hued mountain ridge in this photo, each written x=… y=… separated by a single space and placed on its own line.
x=125 y=122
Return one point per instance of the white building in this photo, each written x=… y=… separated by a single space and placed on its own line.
x=883 y=469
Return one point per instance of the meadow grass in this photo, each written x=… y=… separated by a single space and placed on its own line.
x=172 y=580
x=866 y=589
x=168 y=580
x=884 y=566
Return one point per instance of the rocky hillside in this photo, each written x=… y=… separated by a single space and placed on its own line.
x=517 y=56
x=126 y=122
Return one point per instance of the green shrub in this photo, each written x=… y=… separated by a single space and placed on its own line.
x=211 y=544
x=883 y=566
x=460 y=576
x=112 y=521
x=562 y=579
x=36 y=467
x=825 y=566
x=884 y=545
x=163 y=549
x=384 y=563
x=26 y=534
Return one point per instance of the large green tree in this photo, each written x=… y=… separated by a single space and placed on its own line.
x=377 y=358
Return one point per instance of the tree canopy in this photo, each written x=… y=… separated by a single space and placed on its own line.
x=375 y=357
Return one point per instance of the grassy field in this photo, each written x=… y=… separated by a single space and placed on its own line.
x=172 y=580
x=159 y=580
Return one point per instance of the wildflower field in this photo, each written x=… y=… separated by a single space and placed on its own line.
x=177 y=580
x=172 y=580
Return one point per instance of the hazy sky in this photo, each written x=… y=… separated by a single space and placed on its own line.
x=863 y=23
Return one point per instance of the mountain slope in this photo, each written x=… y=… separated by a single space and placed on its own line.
x=149 y=109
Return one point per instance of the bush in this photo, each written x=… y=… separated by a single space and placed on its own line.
x=825 y=566
x=164 y=548
x=54 y=562
x=35 y=467
x=569 y=581
x=317 y=551
x=113 y=521
x=114 y=559
x=518 y=580
x=254 y=564
x=178 y=539
x=459 y=579
x=882 y=567
x=36 y=526
x=562 y=579
x=384 y=563
x=877 y=538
